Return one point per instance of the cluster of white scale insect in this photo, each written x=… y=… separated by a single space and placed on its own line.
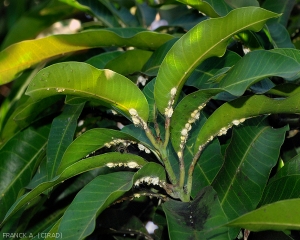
x=169 y=109
x=224 y=130
x=116 y=142
x=148 y=180
x=128 y=164
x=187 y=127
x=137 y=121
x=125 y=144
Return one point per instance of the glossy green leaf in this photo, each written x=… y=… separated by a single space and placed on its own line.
x=231 y=113
x=187 y=18
x=201 y=77
x=283 y=7
x=186 y=55
x=242 y=3
x=284 y=90
x=40 y=175
x=101 y=12
x=121 y=12
x=249 y=158
x=289 y=52
x=210 y=7
x=83 y=80
x=130 y=62
x=100 y=61
x=79 y=219
x=28 y=112
x=137 y=133
x=89 y=142
x=110 y=14
x=149 y=94
x=201 y=218
x=278 y=216
x=152 y=65
x=32 y=110
x=262 y=86
x=285 y=183
x=61 y=135
x=145 y=14
x=77 y=168
x=256 y=66
x=23 y=55
x=280 y=36
x=19 y=157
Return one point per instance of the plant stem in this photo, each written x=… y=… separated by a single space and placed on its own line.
x=163 y=152
x=181 y=169
x=167 y=132
x=156 y=127
x=152 y=139
x=191 y=170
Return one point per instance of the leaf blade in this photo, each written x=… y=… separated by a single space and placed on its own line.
x=61 y=135
x=18 y=158
x=31 y=52
x=185 y=54
x=278 y=216
x=83 y=80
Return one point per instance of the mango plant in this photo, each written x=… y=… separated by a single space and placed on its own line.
x=183 y=114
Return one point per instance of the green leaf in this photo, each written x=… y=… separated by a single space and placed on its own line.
x=40 y=175
x=79 y=219
x=209 y=68
x=236 y=111
x=19 y=157
x=138 y=133
x=83 y=80
x=152 y=65
x=278 y=216
x=242 y=3
x=28 y=112
x=107 y=12
x=100 y=61
x=280 y=36
x=209 y=7
x=23 y=55
x=256 y=66
x=285 y=183
x=101 y=12
x=249 y=158
x=283 y=7
x=149 y=94
x=89 y=142
x=121 y=12
x=129 y=62
x=61 y=135
x=116 y=158
x=201 y=218
x=186 y=55
x=145 y=13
